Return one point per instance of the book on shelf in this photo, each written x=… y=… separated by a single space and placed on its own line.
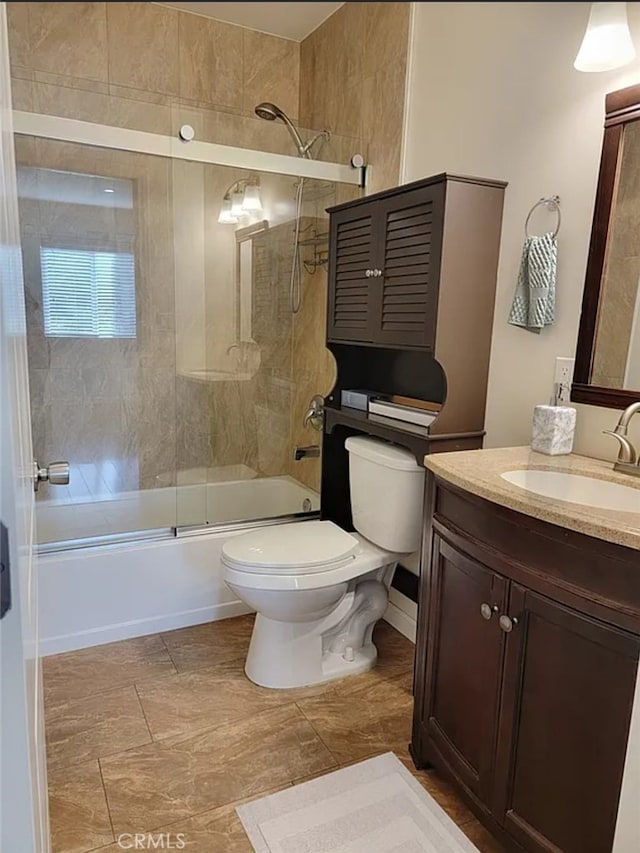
x=396 y=423
x=413 y=414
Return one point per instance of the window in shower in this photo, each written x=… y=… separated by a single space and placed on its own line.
x=88 y=293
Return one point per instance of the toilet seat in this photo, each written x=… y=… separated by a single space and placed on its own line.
x=364 y=558
x=291 y=549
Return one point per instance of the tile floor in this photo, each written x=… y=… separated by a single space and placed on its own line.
x=165 y=734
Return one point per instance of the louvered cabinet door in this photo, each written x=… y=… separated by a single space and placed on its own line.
x=350 y=316
x=411 y=227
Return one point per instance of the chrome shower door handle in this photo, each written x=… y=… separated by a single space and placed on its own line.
x=56 y=474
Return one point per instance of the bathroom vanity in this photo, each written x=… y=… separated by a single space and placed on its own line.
x=527 y=652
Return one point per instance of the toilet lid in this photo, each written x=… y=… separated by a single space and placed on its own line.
x=290 y=548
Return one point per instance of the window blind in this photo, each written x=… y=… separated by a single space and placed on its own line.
x=88 y=294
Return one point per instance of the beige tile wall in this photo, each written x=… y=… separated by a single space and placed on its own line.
x=352 y=80
x=151 y=68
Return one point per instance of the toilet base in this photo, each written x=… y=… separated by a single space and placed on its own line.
x=299 y=654
x=289 y=654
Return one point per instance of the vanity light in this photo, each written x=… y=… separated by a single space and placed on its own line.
x=237 y=199
x=226 y=217
x=607 y=42
x=241 y=199
x=252 y=202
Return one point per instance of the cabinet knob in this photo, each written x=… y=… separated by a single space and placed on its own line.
x=507 y=624
x=487 y=611
x=368 y=273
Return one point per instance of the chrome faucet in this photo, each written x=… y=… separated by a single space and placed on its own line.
x=627 y=461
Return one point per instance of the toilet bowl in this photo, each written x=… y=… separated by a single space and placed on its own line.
x=318 y=590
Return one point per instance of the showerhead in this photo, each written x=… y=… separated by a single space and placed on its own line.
x=271 y=112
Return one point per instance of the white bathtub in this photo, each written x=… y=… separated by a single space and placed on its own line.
x=153 y=509
x=90 y=596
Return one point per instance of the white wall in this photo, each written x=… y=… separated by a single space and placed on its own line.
x=493 y=93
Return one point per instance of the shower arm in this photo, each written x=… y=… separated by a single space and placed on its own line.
x=306 y=148
x=303 y=150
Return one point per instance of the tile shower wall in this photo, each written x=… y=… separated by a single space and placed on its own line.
x=352 y=79
x=147 y=67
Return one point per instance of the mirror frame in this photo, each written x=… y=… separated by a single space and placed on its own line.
x=621 y=107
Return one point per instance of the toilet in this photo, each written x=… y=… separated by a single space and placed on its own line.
x=318 y=591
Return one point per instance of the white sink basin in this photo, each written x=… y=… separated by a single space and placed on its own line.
x=577 y=489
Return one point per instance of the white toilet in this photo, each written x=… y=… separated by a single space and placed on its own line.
x=318 y=591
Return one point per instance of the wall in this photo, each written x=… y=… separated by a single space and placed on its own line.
x=147 y=67
x=493 y=92
x=145 y=403
x=353 y=70
x=352 y=80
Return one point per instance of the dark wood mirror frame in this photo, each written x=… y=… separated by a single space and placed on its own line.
x=621 y=107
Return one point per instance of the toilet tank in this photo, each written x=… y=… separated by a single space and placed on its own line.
x=387 y=488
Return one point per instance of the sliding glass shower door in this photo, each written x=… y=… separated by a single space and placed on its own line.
x=166 y=363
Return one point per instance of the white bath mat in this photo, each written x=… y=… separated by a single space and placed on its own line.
x=372 y=807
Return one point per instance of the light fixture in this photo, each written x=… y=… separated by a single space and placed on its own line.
x=607 y=41
x=108 y=190
x=252 y=202
x=237 y=197
x=226 y=217
x=241 y=199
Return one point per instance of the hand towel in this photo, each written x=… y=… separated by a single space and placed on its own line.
x=534 y=302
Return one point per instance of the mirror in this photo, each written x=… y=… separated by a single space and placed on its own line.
x=607 y=371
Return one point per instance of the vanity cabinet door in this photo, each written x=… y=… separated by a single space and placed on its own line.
x=566 y=704
x=352 y=261
x=464 y=662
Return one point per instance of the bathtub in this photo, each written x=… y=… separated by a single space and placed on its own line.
x=63 y=520
x=101 y=593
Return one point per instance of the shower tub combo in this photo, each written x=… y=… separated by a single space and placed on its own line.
x=153 y=429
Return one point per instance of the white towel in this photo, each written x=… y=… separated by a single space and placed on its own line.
x=534 y=302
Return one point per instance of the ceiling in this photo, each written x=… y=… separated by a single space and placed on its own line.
x=289 y=20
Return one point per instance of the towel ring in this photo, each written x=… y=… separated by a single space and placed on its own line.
x=552 y=203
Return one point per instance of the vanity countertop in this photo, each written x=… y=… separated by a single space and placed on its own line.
x=478 y=472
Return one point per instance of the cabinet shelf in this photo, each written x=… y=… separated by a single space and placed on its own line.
x=415 y=438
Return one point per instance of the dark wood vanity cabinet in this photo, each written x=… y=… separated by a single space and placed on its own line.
x=526 y=665
x=386 y=258
x=464 y=665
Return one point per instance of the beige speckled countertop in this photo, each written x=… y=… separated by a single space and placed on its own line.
x=478 y=472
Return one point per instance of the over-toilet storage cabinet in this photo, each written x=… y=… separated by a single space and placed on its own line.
x=411 y=294
x=390 y=254
x=384 y=269
x=527 y=654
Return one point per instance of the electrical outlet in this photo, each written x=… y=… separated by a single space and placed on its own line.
x=563 y=378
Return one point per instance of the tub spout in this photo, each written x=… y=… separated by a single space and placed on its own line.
x=312 y=451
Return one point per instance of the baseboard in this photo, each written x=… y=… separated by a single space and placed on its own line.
x=139 y=628
x=401 y=621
